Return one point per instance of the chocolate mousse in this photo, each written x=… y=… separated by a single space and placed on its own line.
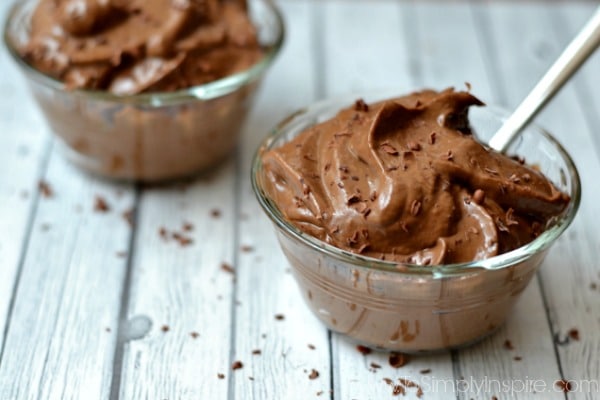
x=405 y=180
x=120 y=70
x=135 y=46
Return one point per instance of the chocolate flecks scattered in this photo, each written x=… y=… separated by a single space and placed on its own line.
x=517 y=358
x=45 y=189
x=128 y=216
x=398 y=360
x=573 y=334
x=279 y=317
x=319 y=393
x=360 y=105
x=256 y=352
x=311 y=346
x=563 y=385
x=375 y=365
x=237 y=365
x=593 y=286
x=165 y=328
x=215 y=213
x=194 y=335
x=107 y=329
x=364 y=350
x=314 y=374
x=508 y=345
x=187 y=227
x=183 y=240
x=425 y=371
x=247 y=248
x=221 y=376
x=228 y=268
x=101 y=205
x=402 y=386
x=121 y=254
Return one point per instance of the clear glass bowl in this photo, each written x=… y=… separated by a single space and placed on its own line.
x=414 y=308
x=154 y=136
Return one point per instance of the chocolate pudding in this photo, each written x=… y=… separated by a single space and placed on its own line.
x=403 y=231
x=405 y=180
x=144 y=89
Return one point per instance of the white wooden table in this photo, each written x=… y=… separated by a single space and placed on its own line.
x=92 y=307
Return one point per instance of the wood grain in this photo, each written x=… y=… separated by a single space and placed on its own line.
x=265 y=286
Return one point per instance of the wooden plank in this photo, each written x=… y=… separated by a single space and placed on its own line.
x=61 y=338
x=572 y=287
x=180 y=297
x=522 y=50
x=23 y=152
x=381 y=58
x=265 y=287
x=362 y=48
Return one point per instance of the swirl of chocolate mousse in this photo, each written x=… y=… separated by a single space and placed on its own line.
x=135 y=46
x=404 y=180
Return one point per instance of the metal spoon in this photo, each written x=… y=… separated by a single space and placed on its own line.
x=563 y=68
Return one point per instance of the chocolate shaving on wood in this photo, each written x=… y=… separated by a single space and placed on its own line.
x=364 y=350
x=45 y=189
x=398 y=360
x=256 y=352
x=564 y=385
x=237 y=365
x=181 y=239
x=215 y=213
x=574 y=334
x=221 y=376
x=128 y=216
x=314 y=374
x=100 y=204
x=508 y=345
x=187 y=227
x=228 y=268
x=165 y=328
x=375 y=365
x=194 y=335
x=279 y=317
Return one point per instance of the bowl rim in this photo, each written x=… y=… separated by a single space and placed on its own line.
x=497 y=262
x=204 y=92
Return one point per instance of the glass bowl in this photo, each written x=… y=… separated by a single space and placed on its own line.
x=412 y=308
x=153 y=136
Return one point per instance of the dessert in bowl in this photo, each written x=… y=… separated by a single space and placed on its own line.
x=144 y=90
x=404 y=232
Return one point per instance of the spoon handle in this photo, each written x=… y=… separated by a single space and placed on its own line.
x=569 y=61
